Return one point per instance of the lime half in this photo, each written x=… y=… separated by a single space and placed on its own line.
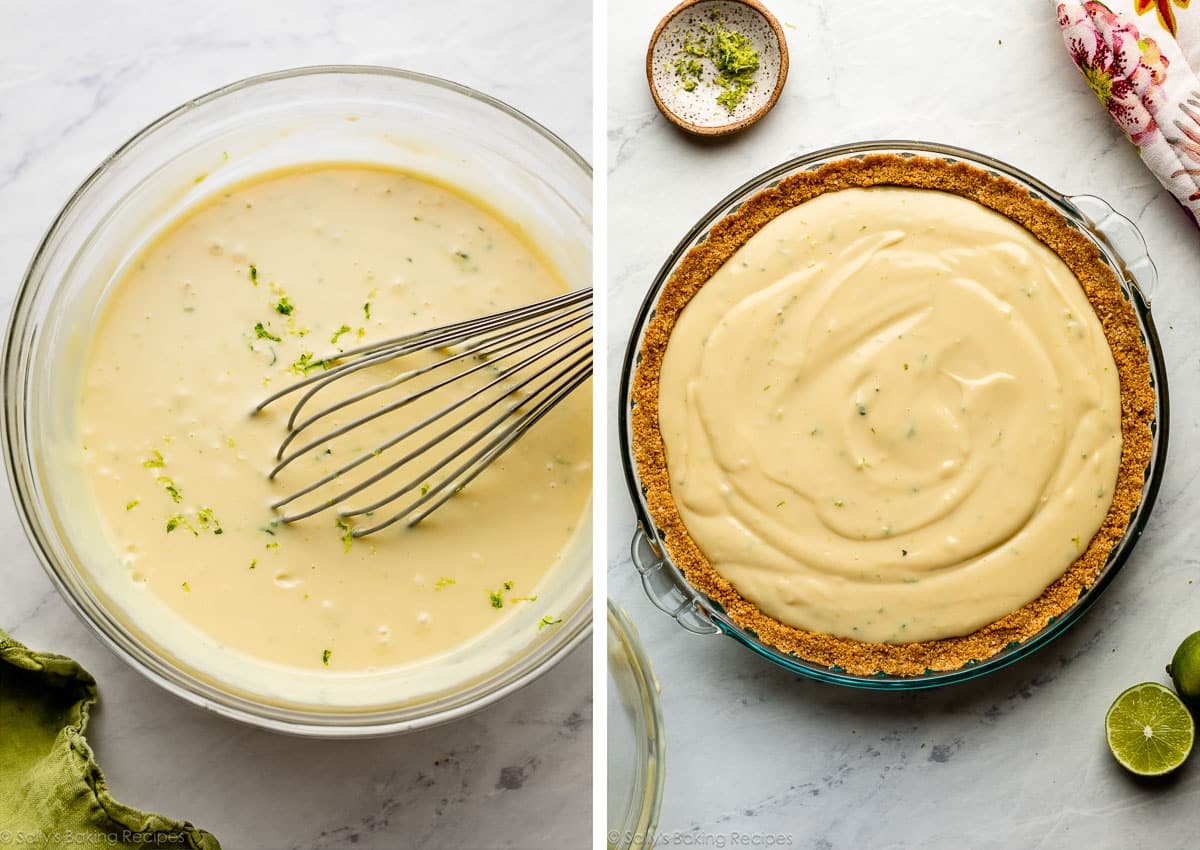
x=1184 y=670
x=1150 y=730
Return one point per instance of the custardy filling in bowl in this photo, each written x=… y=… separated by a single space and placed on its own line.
x=243 y=295
x=892 y=415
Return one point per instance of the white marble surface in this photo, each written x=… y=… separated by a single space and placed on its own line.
x=76 y=79
x=1017 y=759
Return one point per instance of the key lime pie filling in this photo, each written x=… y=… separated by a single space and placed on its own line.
x=893 y=415
x=243 y=295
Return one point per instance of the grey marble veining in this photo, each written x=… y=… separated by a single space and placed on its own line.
x=1017 y=759
x=76 y=80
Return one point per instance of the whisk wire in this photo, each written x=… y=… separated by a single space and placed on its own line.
x=472 y=468
x=502 y=349
x=539 y=354
x=378 y=450
x=437 y=467
x=440 y=336
x=408 y=399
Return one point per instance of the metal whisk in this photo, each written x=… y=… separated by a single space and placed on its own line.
x=528 y=359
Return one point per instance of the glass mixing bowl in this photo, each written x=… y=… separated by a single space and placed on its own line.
x=636 y=739
x=1122 y=247
x=373 y=115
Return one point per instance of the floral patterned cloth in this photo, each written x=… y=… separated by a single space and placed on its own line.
x=1140 y=58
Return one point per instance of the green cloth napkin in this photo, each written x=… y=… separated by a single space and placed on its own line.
x=52 y=793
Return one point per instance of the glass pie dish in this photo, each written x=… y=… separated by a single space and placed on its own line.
x=636 y=739
x=382 y=116
x=1120 y=246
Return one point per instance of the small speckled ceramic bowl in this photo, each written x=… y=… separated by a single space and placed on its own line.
x=697 y=109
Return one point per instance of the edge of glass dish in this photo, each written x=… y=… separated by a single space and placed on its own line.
x=664 y=582
x=174 y=678
x=639 y=830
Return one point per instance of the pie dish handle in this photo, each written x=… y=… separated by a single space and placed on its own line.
x=1125 y=240
x=664 y=590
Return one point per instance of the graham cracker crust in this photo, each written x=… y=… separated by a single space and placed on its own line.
x=1102 y=289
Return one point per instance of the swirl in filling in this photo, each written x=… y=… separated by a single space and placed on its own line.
x=891 y=416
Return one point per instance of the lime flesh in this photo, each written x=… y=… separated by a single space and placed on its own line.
x=1184 y=670
x=1150 y=730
